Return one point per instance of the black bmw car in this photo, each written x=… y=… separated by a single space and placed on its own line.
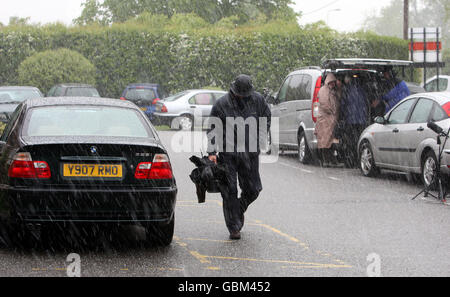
x=91 y=160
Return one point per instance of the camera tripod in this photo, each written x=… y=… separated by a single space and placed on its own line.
x=437 y=178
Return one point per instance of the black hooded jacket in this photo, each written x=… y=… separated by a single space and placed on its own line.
x=232 y=107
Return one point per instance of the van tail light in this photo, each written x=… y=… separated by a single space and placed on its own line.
x=164 y=108
x=123 y=98
x=315 y=101
x=160 y=168
x=24 y=167
x=155 y=101
x=446 y=107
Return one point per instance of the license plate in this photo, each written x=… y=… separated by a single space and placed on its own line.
x=144 y=108
x=92 y=170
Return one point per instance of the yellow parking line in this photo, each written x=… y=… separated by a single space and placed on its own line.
x=200 y=257
x=291 y=238
x=309 y=264
x=212 y=268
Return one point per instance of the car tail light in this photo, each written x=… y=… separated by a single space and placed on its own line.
x=24 y=167
x=123 y=98
x=315 y=101
x=155 y=101
x=164 y=108
x=160 y=168
x=446 y=107
x=143 y=170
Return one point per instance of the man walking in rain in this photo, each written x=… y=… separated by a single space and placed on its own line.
x=239 y=113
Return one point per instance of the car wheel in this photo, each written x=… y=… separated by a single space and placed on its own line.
x=367 y=161
x=429 y=167
x=304 y=154
x=160 y=234
x=186 y=123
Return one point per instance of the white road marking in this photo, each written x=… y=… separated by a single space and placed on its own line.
x=295 y=167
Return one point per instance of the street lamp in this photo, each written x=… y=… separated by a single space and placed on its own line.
x=330 y=11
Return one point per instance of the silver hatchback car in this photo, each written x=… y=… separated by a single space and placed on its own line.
x=401 y=140
x=178 y=111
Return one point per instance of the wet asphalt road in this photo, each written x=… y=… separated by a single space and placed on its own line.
x=308 y=221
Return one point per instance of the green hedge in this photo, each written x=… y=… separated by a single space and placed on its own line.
x=177 y=59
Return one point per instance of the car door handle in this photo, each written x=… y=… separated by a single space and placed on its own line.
x=193 y=106
x=283 y=109
x=420 y=129
x=395 y=130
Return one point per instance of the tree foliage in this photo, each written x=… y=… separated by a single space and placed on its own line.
x=18 y=21
x=423 y=13
x=116 y=11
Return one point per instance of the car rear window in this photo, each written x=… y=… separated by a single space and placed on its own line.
x=18 y=95
x=140 y=94
x=82 y=92
x=176 y=96
x=71 y=120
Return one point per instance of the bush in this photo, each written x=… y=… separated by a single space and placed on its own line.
x=45 y=69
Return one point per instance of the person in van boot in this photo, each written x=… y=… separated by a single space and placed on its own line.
x=327 y=119
x=242 y=166
x=394 y=91
x=353 y=112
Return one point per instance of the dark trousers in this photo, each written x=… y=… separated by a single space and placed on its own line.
x=246 y=171
x=350 y=143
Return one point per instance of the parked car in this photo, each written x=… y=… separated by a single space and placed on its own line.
x=415 y=88
x=73 y=90
x=297 y=103
x=401 y=140
x=91 y=160
x=432 y=84
x=11 y=97
x=144 y=95
x=178 y=110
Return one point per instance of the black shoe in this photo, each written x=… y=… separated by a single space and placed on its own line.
x=235 y=235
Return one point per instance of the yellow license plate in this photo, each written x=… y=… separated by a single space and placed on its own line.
x=92 y=170
x=144 y=108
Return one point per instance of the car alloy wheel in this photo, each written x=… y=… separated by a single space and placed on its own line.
x=367 y=162
x=301 y=149
x=303 y=153
x=429 y=170
x=186 y=123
